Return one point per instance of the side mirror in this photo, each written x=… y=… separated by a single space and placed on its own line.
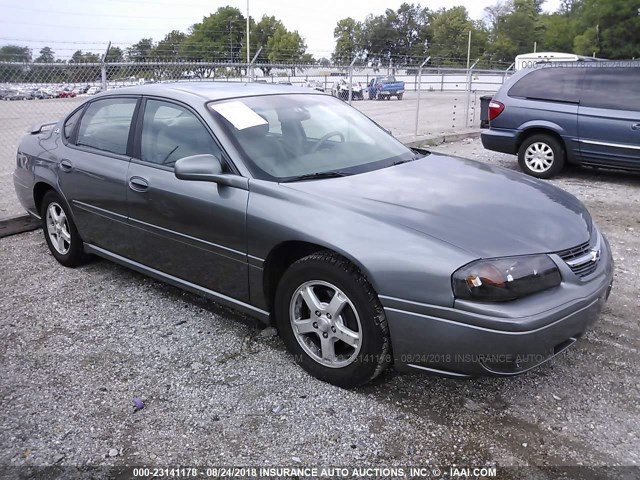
x=207 y=168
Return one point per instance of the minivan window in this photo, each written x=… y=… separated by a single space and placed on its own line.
x=613 y=88
x=554 y=84
x=105 y=124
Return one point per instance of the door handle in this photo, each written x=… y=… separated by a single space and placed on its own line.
x=635 y=126
x=66 y=165
x=138 y=184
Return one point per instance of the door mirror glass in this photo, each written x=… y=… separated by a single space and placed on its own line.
x=199 y=167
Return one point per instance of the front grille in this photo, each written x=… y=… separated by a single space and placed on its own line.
x=582 y=250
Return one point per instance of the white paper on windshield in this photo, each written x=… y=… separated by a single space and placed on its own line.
x=239 y=115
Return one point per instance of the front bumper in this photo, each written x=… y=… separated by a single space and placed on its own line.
x=462 y=343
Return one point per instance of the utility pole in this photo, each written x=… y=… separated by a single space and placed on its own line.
x=469 y=50
x=248 y=42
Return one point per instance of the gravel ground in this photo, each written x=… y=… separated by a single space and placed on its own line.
x=80 y=344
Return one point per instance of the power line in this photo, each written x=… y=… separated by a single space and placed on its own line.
x=146 y=17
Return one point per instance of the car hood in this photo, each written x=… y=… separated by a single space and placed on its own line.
x=486 y=210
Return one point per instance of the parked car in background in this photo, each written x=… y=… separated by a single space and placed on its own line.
x=291 y=205
x=14 y=95
x=383 y=88
x=94 y=90
x=580 y=113
x=315 y=85
x=43 y=94
x=340 y=89
x=66 y=93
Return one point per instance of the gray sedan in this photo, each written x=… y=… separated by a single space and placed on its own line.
x=293 y=207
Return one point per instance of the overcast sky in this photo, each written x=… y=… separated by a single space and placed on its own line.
x=89 y=25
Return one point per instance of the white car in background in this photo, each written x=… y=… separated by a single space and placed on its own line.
x=340 y=89
x=94 y=90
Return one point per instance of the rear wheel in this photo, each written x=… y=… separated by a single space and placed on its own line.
x=60 y=232
x=400 y=97
x=541 y=156
x=331 y=320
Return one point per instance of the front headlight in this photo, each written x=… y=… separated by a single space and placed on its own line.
x=504 y=279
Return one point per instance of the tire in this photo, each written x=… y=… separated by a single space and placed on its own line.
x=68 y=249
x=541 y=156
x=400 y=97
x=326 y=276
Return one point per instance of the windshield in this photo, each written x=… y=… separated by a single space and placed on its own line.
x=284 y=137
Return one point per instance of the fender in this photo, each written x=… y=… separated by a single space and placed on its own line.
x=569 y=139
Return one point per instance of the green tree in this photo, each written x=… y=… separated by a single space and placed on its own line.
x=409 y=22
x=140 y=51
x=517 y=29
x=219 y=37
x=379 y=37
x=46 y=56
x=348 y=37
x=610 y=28
x=260 y=34
x=169 y=47
x=88 y=57
x=15 y=53
x=450 y=40
x=559 y=31
x=115 y=55
x=286 y=47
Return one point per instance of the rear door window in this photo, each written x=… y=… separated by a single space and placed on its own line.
x=612 y=88
x=553 y=84
x=105 y=125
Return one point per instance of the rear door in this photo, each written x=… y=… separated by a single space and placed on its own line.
x=192 y=230
x=609 y=117
x=93 y=171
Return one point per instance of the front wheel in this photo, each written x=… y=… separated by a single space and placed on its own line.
x=400 y=96
x=541 y=156
x=331 y=320
x=60 y=232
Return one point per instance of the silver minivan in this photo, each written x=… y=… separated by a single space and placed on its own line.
x=575 y=112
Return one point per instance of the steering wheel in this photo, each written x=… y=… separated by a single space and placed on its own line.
x=326 y=137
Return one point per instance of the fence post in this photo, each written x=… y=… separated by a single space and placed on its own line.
x=251 y=65
x=504 y=78
x=351 y=79
x=103 y=68
x=419 y=87
x=467 y=102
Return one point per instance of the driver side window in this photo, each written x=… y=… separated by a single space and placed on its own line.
x=171 y=132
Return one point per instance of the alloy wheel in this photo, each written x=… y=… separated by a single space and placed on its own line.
x=325 y=323
x=58 y=228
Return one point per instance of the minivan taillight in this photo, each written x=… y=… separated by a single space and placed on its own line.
x=495 y=109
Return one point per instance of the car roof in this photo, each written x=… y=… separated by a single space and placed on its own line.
x=208 y=90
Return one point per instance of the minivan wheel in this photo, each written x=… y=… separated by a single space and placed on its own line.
x=541 y=156
x=60 y=232
x=331 y=320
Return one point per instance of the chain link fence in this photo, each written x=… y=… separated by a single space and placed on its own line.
x=437 y=101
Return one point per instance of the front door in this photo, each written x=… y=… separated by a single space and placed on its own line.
x=192 y=230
